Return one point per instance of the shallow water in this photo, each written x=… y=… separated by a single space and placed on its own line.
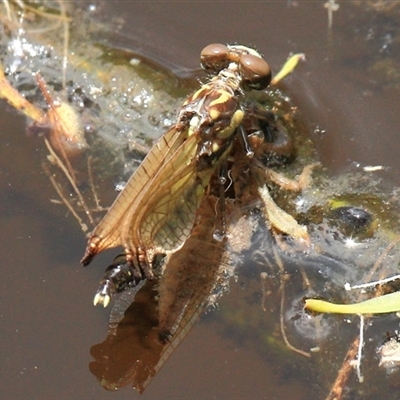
x=48 y=323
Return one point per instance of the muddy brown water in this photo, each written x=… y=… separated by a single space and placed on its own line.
x=47 y=321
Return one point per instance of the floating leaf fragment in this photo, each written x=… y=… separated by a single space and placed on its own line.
x=378 y=305
x=288 y=67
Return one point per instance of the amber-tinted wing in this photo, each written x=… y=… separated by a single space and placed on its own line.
x=164 y=216
x=169 y=220
x=137 y=192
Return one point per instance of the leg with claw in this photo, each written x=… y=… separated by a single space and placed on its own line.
x=280 y=220
x=300 y=182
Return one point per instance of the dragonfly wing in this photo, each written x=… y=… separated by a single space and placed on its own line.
x=172 y=217
x=167 y=220
x=108 y=233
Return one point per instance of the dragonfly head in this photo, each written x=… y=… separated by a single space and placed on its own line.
x=254 y=71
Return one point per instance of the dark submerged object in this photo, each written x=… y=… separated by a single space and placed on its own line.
x=352 y=220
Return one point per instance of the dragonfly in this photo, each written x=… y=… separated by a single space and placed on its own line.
x=156 y=211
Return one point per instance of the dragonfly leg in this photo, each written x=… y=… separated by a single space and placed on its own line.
x=220 y=206
x=280 y=220
x=302 y=181
x=246 y=143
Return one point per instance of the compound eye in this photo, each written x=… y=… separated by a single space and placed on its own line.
x=214 y=57
x=256 y=73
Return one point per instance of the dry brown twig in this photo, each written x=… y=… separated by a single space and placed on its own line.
x=284 y=278
x=54 y=159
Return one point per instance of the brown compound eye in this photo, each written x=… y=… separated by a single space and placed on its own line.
x=256 y=73
x=214 y=57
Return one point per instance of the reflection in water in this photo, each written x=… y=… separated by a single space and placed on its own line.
x=163 y=310
x=132 y=350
